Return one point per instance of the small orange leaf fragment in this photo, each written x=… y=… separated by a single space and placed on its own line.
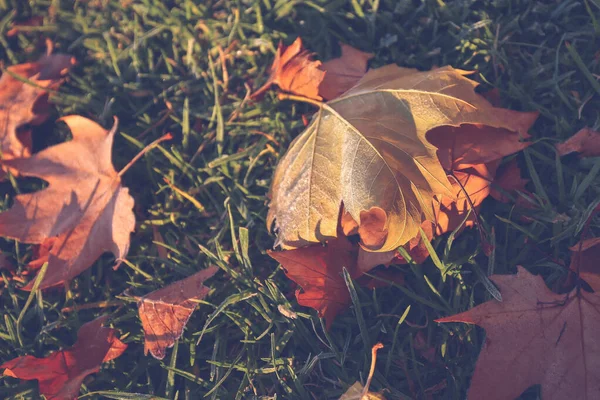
x=294 y=71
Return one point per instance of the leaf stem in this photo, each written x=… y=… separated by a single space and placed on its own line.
x=146 y=149
x=372 y=370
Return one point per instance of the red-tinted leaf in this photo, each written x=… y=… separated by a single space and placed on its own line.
x=318 y=271
x=61 y=373
x=165 y=312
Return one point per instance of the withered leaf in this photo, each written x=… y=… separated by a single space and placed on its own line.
x=61 y=374
x=317 y=269
x=343 y=72
x=294 y=71
x=165 y=312
x=535 y=336
x=25 y=103
x=368 y=148
x=84 y=205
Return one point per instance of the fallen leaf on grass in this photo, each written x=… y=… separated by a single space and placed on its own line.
x=343 y=72
x=61 y=374
x=585 y=257
x=24 y=103
x=165 y=312
x=535 y=336
x=368 y=148
x=294 y=71
x=84 y=205
x=586 y=142
x=317 y=269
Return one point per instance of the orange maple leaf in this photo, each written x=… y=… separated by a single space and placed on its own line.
x=84 y=205
x=165 y=312
x=535 y=336
x=61 y=374
x=294 y=71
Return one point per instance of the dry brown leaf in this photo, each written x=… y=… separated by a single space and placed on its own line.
x=317 y=269
x=61 y=374
x=25 y=103
x=368 y=148
x=586 y=142
x=535 y=336
x=165 y=312
x=84 y=205
x=343 y=72
x=294 y=71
